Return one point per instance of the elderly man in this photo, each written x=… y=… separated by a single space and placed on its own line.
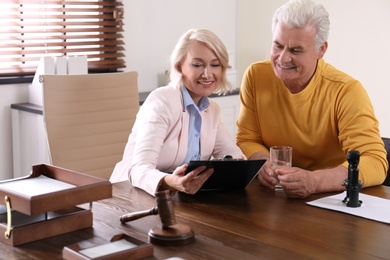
x=299 y=100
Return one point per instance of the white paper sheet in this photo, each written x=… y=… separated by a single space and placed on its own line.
x=374 y=208
x=36 y=186
x=107 y=249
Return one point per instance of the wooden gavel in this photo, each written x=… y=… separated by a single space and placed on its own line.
x=171 y=233
x=164 y=208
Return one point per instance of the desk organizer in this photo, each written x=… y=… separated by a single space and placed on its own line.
x=44 y=204
x=120 y=247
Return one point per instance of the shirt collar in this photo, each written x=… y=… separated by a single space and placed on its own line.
x=188 y=101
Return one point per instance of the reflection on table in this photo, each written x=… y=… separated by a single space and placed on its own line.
x=246 y=224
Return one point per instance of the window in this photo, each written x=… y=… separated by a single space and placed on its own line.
x=32 y=29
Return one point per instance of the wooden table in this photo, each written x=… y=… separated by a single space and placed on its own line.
x=248 y=224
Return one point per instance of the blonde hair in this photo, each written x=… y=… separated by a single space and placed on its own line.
x=211 y=41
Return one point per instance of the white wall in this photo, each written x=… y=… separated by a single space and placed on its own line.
x=152 y=28
x=358 y=43
x=9 y=94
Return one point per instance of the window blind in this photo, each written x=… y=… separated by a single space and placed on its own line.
x=32 y=29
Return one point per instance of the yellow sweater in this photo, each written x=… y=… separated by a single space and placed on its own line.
x=331 y=116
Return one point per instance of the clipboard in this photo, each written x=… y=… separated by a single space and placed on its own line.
x=228 y=174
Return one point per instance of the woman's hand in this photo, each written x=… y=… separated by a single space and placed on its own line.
x=189 y=183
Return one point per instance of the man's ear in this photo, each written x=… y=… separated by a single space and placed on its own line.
x=322 y=50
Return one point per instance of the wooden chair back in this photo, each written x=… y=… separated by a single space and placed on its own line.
x=88 y=119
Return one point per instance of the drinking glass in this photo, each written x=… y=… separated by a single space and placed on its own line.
x=280 y=155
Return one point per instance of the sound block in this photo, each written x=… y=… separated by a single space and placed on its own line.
x=175 y=235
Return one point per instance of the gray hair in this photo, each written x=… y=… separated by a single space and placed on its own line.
x=299 y=13
x=211 y=41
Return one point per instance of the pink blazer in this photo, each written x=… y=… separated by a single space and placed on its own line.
x=158 y=141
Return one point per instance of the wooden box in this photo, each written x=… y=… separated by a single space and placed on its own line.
x=44 y=204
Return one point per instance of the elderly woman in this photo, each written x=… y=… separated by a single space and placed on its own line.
x=178 y=123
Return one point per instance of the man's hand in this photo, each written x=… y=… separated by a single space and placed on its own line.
x=266 y=177
x=300 y=183
x=296 y=182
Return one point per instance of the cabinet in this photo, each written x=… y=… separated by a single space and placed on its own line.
x=230 y=108
x=29 y=139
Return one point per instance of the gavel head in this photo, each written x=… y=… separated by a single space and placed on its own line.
x=165 y=208
x=353 y=157
x=171 y=233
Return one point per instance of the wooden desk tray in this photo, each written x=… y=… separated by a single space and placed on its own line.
x=26 y=229
x=81 y=189
x=43 y=204
x=120 y=247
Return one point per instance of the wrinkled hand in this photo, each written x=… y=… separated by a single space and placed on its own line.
x=189 y=183
x=266 y=177
x=296 y=182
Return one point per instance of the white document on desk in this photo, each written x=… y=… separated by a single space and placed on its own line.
x=374 y=208
x=35 y=186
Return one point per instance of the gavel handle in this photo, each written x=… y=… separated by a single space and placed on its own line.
x=140 y=214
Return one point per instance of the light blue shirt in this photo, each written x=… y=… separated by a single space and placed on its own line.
x=195 y=123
